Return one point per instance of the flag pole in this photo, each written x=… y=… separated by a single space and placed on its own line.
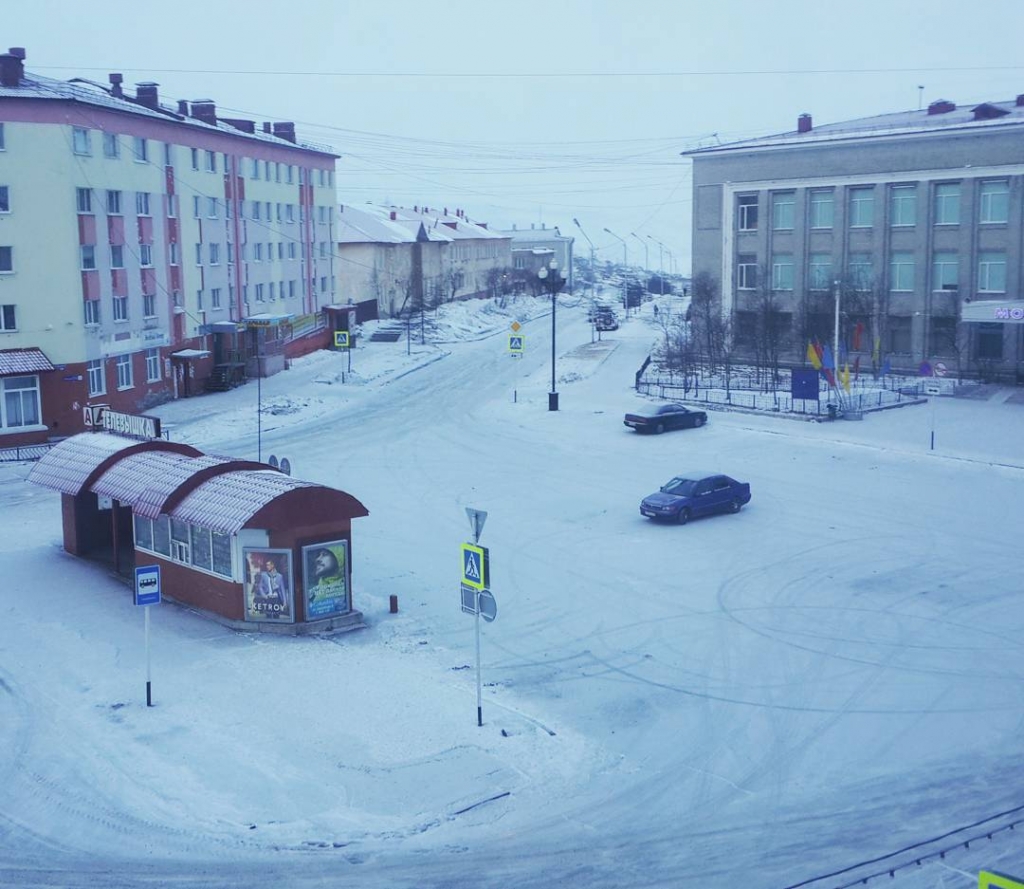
x=835 y=347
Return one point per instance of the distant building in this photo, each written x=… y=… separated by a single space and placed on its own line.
x=140 y=245
x=530 y=243
x=917 y=218
x=402 y=259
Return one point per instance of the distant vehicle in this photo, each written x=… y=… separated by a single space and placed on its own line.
x=686 y=497
x=598 y=309
x=665 y=417
x=606 y=321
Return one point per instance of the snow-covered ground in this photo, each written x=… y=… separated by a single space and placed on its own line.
x=767 y=698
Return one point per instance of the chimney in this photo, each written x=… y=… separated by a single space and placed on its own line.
x=941 y=106
x=182 y=107
x=285 y=130
x=204 y=110
x=115 y=85
x=246 y=126
x=445 y=211
x=394 y=216
x=267 y=127
x=12 y=67
x=803 y=123
x=1020 y=101
x=146 y=94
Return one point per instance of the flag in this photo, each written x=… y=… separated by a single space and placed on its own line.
x=856 y=368
x=858 y=331
x=828 y=365
x=886 y=366
x=846 y=377
x=812 y=356
x=877 y=351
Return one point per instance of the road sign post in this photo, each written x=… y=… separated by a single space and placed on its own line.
x=476 y=597
x=147 y=592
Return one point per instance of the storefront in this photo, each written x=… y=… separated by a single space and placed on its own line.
x=238 y=540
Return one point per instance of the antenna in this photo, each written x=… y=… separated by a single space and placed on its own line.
x=920 y=95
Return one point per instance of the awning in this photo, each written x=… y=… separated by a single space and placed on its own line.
x=265 y=319
x=1004 y=311
x=23 y=361
x=191 y=353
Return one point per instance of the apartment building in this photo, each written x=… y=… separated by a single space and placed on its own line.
x=142 y=244
x=403 y=258
x=912 y=222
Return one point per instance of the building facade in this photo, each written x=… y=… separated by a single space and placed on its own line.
x=530 y=244
x=138 y=240
x=911 y=223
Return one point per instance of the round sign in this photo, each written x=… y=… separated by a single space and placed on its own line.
x=488 y=607
x=939 y=369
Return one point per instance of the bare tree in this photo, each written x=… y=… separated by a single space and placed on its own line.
x=707 y=326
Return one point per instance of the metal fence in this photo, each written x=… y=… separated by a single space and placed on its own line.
x=24 y=453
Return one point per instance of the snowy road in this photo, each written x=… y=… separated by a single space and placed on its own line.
x=828 y=676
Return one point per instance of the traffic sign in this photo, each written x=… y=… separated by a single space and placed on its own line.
x=939 y=369
x=989 y=879
x=341 y=340
x=516 y=326
x=147 y=585
x=488 y=607
x=468 y=599
x=475 y=566
x=477 y=517
x=516 y=343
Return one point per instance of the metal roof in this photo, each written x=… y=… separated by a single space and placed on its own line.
x=167 y=478
x=23 y=361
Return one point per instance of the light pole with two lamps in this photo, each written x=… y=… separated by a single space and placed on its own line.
x=661 y=264
x=552 y=279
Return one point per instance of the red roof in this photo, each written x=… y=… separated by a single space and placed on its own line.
x=23 y=361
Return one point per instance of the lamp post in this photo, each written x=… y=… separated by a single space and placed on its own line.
x=625 y=266
x=593 y=271
x=644 y=243
x=552 y=279
x=661 y=264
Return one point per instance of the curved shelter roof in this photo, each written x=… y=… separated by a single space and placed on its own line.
x=166 y=478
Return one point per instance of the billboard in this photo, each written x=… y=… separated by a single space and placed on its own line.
x=325 y=579
x=269 y=591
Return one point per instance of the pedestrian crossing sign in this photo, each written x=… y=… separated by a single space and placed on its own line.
x=515 y=343
x=476 y=567
x=341 y=339
x=995 y=880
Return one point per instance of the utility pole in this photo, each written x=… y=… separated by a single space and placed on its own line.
x=593 y=270
x=625 y=267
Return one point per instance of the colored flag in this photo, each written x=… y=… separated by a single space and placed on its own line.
x=856 y=367
x=826 y=358
x=877 y=351
x=886 y=366
x=846 y=377
x=858 y=331
x=813 y=357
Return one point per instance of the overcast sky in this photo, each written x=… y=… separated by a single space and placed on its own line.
x=539 y=111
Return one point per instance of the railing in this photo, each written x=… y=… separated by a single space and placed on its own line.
x=24 y=453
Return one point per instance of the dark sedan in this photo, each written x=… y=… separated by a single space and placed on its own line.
x=667 y=416
x=687 y=496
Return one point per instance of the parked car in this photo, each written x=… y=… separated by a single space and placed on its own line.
x=606 y=321
x=665 y=417
x=695 y=494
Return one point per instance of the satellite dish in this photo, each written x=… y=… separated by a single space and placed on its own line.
x=286 y=467
x=273 y=461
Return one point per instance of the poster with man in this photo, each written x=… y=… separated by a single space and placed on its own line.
x=268 y=585
x=325 y=579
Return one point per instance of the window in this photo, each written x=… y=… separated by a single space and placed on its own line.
x=202 y=551
x=21 y=401
x=746 y=271
x=215 y=254
x=120 y=308
x=323 y=249
x=211 y=162
x=258 y=251
x=266 y=170
x=291 y=289
x=746 y=212
x=172 y=206
x=860 y=270
x=945 y=270
x=277 y=172
x=180 y=549
x=83 y=200
x=991 y=271
x=199 y=300
x=255 y=169
x=116 y=256
x=899 y=333
x=267 y=207
x=280 y=249
x=994 y=202
x=903 y=205
x=145 y=255
x=215 y=297
x=947 y=203
x=255 y=209
x=92 y=311
x=3 y=145
x=149 y=305
x=8 y=317
x=782 y=272
x=322 y=214
x=141 y=150
x=114 y=203
x=990 y=341
x=124 y=371
x=323 y=284
x=942 y=335
x=168 y=154
x=291 y=174
x=229 y=248
x=211 y=208
x=152 y=365
x=142 y=203
x=289 y=213
x=87 y=253
x=277 y=216
x=259 y=293
x=273 y=291
x=291 y=250
x=819 y=271
x=172 y=253
x=197 y=206
x=821 y=209
x=97 y=379
x=5 y=199
x=111 y=145
x=6 y=259
x=199 y=254
x=901 y=271
x=80 y=141
x=782 y=211
x=195 y=158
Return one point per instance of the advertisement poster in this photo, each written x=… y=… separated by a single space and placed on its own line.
x=325 y=578
x=269 y=593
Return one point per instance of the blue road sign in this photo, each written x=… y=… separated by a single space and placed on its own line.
x=515 y=343
x=475 y=566
x=147 y=585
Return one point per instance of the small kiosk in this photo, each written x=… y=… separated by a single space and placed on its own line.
x=237 y=540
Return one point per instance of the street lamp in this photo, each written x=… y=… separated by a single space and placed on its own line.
x=661 y=264
x=552 y=279
x=644 y=243
x=625 y=266
x=593 y=271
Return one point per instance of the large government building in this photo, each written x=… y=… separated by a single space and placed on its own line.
x=913 y=222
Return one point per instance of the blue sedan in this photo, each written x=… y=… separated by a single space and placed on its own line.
x=695 y=494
